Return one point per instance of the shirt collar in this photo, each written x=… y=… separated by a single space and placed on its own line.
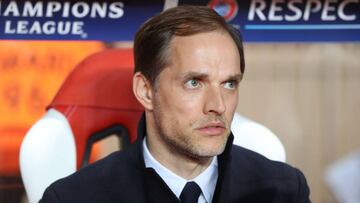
x=206 y=180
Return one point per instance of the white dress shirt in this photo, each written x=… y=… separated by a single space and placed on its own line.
x=206 y=180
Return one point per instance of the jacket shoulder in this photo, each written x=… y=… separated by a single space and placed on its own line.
x=102 y=181
x=260 y=165
x=273 y=179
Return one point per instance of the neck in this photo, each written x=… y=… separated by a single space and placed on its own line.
x=182 y=164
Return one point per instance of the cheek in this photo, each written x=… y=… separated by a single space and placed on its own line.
x=189 y=106
x=174 y=108
x=231 y=104
x=183 y=102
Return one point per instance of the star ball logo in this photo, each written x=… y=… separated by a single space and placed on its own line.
x=226 y=8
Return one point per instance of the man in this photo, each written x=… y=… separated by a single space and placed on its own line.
x=188 y=64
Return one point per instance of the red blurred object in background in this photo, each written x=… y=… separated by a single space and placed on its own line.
x=30 y=74
x=98 y=94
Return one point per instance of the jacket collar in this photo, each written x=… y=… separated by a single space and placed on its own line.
x=222 y=185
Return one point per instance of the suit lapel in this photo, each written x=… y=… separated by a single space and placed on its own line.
x=222 y=188
x=153 y=186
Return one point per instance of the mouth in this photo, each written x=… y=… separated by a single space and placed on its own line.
x=212 y=129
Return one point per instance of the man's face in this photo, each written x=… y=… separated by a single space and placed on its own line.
x=197 y=93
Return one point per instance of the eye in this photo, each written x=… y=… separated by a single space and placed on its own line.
x=192 y=84
x=230 y=85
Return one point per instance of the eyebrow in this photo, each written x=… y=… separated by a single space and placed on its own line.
x=237 y=77
x=191 y=74
x=187 y=75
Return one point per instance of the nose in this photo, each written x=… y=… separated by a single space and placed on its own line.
x=214 y=101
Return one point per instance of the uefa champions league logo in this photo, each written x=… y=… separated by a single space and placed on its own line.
x=226 y=8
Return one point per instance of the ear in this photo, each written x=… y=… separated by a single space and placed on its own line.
x=143 y=91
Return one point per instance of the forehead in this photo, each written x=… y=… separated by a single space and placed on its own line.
x=204 y=52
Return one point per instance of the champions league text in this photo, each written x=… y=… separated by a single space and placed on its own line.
x=70 y=13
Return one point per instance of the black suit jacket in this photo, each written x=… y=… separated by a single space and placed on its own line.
x=244 y=177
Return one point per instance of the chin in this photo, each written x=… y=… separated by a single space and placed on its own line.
x=210 y=149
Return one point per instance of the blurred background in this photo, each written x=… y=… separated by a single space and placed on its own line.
x=306 y=92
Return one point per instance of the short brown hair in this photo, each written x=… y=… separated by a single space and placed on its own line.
x=153 y=38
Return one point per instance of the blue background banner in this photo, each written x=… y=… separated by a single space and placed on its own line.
x=258 y=20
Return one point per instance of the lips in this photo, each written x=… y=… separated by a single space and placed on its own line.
x=212 y=129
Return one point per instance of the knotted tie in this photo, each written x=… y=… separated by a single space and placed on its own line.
x=190 y=193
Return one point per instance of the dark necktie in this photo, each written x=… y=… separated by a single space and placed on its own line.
x=190 y=193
